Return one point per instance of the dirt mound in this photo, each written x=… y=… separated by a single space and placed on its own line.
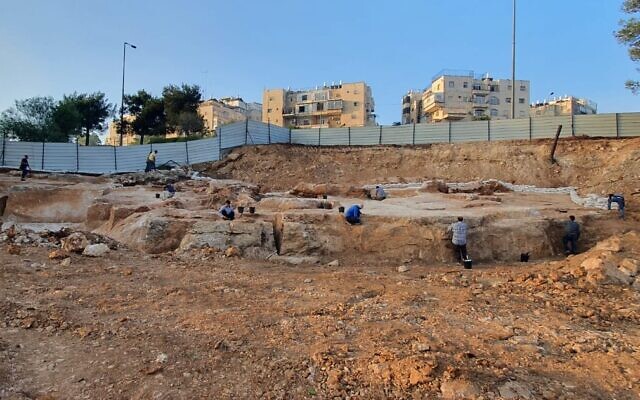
x=593 y=165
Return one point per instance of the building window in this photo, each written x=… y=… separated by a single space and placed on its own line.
x=355 y=104
x=300 y=109
x=305 y=122
x=478 y=113
x=465 y=84
x=493 y=100
x=521 y=100
x=452 y=84
x=268 y=111
x=303 y=97
x=523 y=88
x=507 y=100
x=320 y=107
x=493 y=112
x=477 y=86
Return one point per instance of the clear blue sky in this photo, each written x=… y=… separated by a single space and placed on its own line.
x=52 y=47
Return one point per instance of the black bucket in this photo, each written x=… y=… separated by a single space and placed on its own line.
x=252 y=210
x=341 y=209
x=324 y=196
x=157 y=195
x=467 y=263
x=240 y=209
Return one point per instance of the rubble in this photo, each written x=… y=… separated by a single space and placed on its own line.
x=96 y=250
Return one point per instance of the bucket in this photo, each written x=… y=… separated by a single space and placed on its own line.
x=240 y=209
x=324 y=196
x=252 y=210
x=157 y=195
x=467 y=263
x=341 y=209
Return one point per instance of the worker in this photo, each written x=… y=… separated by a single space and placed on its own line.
x=24 y=167
x=619 y=200
x=380 y=194
x=571 y=236
x=170 y=190
x=459 y=239
x=352 y=215
x=227 y=211
x=151 y=161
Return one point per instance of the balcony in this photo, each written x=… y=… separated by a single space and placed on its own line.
x=433 y=102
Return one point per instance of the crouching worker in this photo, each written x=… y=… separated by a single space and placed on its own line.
x=227 y=212
x=352 y=215
x=169 y=190
x=379 y=194
x=571 y=236
x=619 y=200
x=459 y=239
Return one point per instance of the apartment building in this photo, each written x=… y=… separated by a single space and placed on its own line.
x=214 y=113
x=465 y=96
x=567 y=105
x=412 y=112
x=328 y=106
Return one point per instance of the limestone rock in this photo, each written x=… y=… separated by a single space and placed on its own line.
x=96 y=250
x=434 y=187
x=66 y=262
x=232 y=252
x=629 y=266
x=459 y=389
x=251 y=237
x=75 y=243
x=334 y=263
x=514 y=390
x=403 y=268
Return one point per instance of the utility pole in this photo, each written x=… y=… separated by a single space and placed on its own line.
x=124 y=59
x=513 y=65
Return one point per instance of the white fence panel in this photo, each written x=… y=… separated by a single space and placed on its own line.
x=14 y=151
x=334 y=137
x=397 y=134
x=61 y=157
x=176 y=152
x=132 y=158
x=510 y=129
x=259 y=133
x=432 y=133
x=307 y=137
x=546 y=127
x=595 y=125
x=629 y=124
x=369 y=135
x=97 y=159
x=279 y=134
x=203 y=150
x=233 y=135
x=471 y=131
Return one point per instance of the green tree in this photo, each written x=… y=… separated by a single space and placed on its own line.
x=181 y=107
x=93 y=109
x=148 y=115
x=37 y=119
x=629 y=34
x=94 y=140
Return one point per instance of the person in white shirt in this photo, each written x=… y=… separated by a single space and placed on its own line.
x=380 y=194
x=459 y=239
x=227 y=211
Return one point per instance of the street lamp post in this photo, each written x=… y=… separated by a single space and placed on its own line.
x=513 y=65
x=124 y=59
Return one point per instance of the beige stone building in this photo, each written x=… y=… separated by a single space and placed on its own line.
x=464 y=96
x=567 y=105
x=215 y=113
x=412 y=112
x=328 y=106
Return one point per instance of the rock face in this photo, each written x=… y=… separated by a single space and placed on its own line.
x=252 y=238
x=95 y=250
x=459 y=389
x=75 y=243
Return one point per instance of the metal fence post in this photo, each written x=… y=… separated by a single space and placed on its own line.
x=414 y=133
x=186 y=149
x=269 y=131
x=220 y=143
x=42 y=163
x=449 y=131
x=115 y=158
x=489 y=130
x=4 y=144
x=530 y=130
x=617 y=125
x=380 y=136
x=246 y=131
x=573 y=128
x=349 y=133
x=289 y=135
x=319 y=136
x=77 y=156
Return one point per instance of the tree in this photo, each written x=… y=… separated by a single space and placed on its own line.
x=94 y=140
x=147 y=113
x=93 y=109
x=629 y=34
x=181 y=107
x=37 y=119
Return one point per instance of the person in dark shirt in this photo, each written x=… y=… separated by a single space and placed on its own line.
x=619 y=200
x=24 y=167
x=227 y=211
x=571 y=236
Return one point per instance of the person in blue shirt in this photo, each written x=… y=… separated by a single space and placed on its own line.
x=380 y=194
x=571 y=236
x=352 y=215
x=170 y=189
x=227 y=212
x=619 y=200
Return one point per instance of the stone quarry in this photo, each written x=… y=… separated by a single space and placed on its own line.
x=111 y=289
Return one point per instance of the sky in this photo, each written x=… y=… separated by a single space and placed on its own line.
x=238 y=48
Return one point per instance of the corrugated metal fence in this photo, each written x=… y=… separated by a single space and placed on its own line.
x=69 y=157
